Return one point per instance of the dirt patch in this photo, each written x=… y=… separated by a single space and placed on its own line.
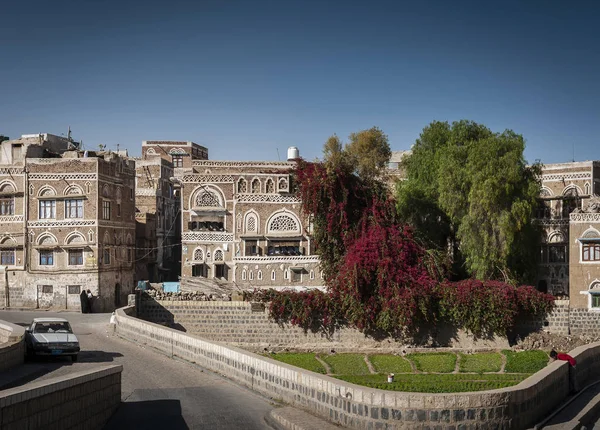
x=547 y=341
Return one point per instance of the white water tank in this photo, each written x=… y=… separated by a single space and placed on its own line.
x=293 y=153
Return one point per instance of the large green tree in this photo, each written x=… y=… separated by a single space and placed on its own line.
x=470 y=191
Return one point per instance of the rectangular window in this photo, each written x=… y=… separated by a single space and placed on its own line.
x=7 y=257
x=74 y=208
x=596 y=300
x=7 y=206
x=46 y=258
x=47 y=289
x=251 y=247
x=177 y=161
x=296 y=276
x=590 y=252
x=558 y=254
x=74 y=289
x=105 y=209
x=47 y=209
x=107 y=256
x=118 y=209
x=75 y=257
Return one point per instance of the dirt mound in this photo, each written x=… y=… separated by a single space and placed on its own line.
x=547 y=341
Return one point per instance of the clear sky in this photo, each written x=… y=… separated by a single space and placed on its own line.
x=250 y=78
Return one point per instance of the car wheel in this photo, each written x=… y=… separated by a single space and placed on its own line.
x=74 y=358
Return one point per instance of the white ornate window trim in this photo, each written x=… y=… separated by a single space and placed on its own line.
x=218 y=255
x=198 y=254
x=46 y=191
x=283 y=222
x=255 y=186
x=46 y=239
x=259 y=275
x=73 y=190
x=243 y=274
x=567 y=190
x=177 y=151
x=207 y=196
x=269 y=186
x=273 y=275
x=242 y=186
x=251 y=219
x=5 y=184
x=592 y=292
x=74 y=238
x=556 y=237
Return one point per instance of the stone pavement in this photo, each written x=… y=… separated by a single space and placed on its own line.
x=578 y=412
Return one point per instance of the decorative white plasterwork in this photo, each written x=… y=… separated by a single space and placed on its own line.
x=552 y=222
x=194 y=179
x=198 y=254
x=556 y=237
x=207 y=196
x=73 y=189
x=558 y=177
x=278 y=259
x=61 y=176
x=204 y=236
x=7 y=186
x=11 y=218
x=266 y=198
x=46 y=190
x=585 y=217
x=146 y=192
x=212 y=163
x=11 y=171
x=283 y=221
x=46 y=239
x=61 y=223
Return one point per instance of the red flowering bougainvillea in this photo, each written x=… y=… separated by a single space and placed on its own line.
x=379 y=278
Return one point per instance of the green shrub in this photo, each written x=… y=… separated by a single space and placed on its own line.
x=347 y=364
x=441 y=362
x=525 y=361
x=435 y=383
x=390 y=363
x=481 y=362
x=303 y=360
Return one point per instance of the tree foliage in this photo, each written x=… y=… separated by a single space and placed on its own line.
x=470 y=189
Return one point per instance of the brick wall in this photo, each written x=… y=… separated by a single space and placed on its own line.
x=248 y=325
x=82 y=400
x=355 y=406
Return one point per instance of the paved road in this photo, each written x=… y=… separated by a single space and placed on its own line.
x=157 y=392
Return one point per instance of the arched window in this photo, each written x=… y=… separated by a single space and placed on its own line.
x=255 y=186
x=218 y=255
x=198 y=254
x=273 y=276
x=207 y=198
x=270 y=186
x=242 y=186
x=571 y=201
x=243 y=275
x=7 y=201
x=259 y=275
x=312 y=274
x=283 y=223
x=251 y=275
x=286 y=274
x=251 y=222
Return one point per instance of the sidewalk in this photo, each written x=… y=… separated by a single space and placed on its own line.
x=577 y=411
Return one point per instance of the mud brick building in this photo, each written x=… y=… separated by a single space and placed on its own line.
x=242 y=226
x=68 y=224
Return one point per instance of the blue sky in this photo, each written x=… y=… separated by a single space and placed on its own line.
x=247 y=79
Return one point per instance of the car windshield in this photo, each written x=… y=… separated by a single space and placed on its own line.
x=52 y=327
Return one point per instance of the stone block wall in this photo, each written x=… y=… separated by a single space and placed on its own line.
x=355 y=406
x=248 y=325
x=82 y=400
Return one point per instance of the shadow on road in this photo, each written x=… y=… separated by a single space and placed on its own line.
x=148 y=415
x=87 y=356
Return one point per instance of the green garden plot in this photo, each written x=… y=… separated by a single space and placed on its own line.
x=303 y=360
x=525 y=361
x=436 y=383
x=440 y=362
x=390 y=364
x=481 y=362
x=347 y=364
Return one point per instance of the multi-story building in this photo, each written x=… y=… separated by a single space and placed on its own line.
x=567 y=213
x=68 y=218
x=242 y=226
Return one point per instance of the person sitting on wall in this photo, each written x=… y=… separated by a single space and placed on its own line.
x=573 y=386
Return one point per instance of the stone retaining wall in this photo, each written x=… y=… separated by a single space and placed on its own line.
x=82 y=400
x=248 y=325
x=360 y=407
x=12 y=345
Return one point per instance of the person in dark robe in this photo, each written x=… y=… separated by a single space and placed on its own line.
x=85 y=302
x=90 y=301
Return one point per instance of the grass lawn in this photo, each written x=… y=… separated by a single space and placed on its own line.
x=347 y=364
x=436 y=383
x=390 y=364
x=481 y=362
x=303 y=360
x=442 y=362
x=525 y=361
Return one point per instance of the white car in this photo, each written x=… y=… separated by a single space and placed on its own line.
x=51 y=336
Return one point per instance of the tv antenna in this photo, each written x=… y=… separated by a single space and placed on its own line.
x=278 y=159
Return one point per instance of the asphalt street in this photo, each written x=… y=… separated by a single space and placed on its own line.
x=157 y=392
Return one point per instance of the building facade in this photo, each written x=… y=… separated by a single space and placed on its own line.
x=570 y=249
x=242 y=226
x=70 y=226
